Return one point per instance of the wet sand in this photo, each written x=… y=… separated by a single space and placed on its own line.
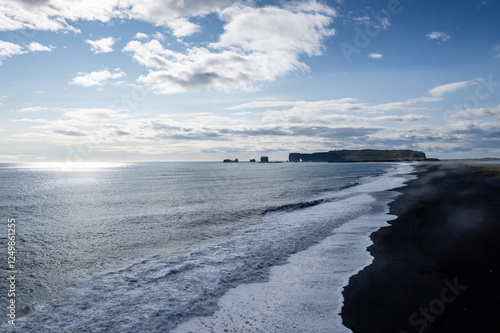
x=436 y=267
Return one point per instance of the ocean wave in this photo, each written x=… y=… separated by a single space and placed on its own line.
x=159 y=294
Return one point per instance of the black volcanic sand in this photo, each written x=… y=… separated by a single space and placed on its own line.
x=436 y=268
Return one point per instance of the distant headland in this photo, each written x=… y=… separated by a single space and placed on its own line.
x=364 y=155
x=345 y=155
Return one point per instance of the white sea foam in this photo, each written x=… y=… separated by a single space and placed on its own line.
x=305 y=295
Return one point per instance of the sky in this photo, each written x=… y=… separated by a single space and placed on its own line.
x=199 y=80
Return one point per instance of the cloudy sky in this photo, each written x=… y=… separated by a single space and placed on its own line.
x=164 y=80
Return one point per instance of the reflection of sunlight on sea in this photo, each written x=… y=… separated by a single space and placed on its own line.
x=74 y=166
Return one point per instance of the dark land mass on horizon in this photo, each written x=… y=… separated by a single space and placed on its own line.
x=364 y=155
x=436 y=268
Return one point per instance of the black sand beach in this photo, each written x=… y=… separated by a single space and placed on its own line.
x=437 y=267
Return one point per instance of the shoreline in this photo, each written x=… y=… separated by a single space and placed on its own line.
x=436 y=267
x=305 y=293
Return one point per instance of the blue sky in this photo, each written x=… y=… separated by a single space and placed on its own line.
x=165 y=80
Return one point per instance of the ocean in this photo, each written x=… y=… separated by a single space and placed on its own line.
x=189 y=247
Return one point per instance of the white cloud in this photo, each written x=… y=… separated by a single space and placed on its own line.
x=291 y=117
x=271 y=29
x=33 y=109
x=141 y=36
x=95 y=115
x=159 y=36
x=8 y=50
x=362 y=19
x=30 y=120
x=258 y=45
x=340 y=105
x=37 y=47
x=478 y=113
x=103 y=45
x=97 y=78
x=181 y=27
x=162 y=12
x=438 y=35
x=319 y=113
x=262 y=104
x=21 y=156
x=405 y=118
x=377 y=56
x=56 y=15
x=439 y=91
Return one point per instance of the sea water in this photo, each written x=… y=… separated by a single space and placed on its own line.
x=189 y=246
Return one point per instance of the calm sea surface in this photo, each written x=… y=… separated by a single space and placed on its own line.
x=111 y=247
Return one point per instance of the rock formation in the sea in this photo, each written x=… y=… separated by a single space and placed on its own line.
x=252 y=160
x=364 y=155
x=264 y=159
x=230 y=161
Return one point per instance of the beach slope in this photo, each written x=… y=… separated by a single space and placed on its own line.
x=436 y=268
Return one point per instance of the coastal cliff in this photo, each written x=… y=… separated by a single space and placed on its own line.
x=365 y=155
